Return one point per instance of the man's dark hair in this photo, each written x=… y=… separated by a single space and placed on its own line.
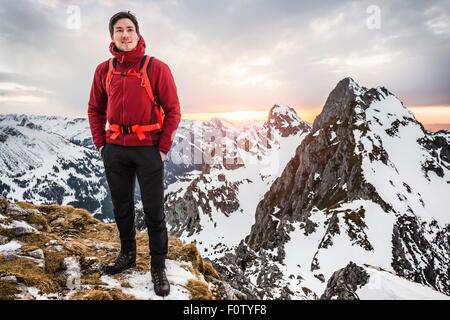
x=122 y=15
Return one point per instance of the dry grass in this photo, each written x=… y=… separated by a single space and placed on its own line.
x=189 y=252
x=30 y=274
x=77 y=248
x=125 y=284
x=5 y=232
x=8 y=290
x=101 y=294
x=54 y=261
x=199 y=290
x=25 y=205
x=39 y=221
x=28 y=247
x=92 y=279
x=143 y=256
x=77 y=233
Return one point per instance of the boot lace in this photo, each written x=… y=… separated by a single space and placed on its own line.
x=159 y=276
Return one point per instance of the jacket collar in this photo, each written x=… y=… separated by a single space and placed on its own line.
x=129 y=57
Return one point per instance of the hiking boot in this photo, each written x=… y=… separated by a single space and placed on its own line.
x=160 y=282
x=124 y=261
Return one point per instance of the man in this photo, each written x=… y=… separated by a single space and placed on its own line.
x=129 y=92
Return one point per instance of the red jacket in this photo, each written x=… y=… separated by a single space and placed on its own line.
x=129 y=103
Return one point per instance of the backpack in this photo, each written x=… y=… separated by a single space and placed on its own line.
x=145 y=83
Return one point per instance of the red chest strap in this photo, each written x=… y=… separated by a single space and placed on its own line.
x=145 y=83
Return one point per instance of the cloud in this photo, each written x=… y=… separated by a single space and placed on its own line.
x=11 y=92
x=325 y=26
x=438 y=20
x=25 y=99
x=251 y=53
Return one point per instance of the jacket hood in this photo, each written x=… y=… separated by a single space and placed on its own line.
x=129 y=56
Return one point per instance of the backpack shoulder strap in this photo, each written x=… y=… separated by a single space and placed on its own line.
x=142 y=62
x=145 y=78
x=145 y=71
x=155 y=94
x=111 y=68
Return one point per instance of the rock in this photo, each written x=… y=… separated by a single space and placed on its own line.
x=411 y=238
x=37 y=254
x=8 y=256
x=104 y=246
x=231 y=268
x=24 y=292
x=3 y=240
x=58 y=221
x=15 y=211
x=18 y=228
x=3 y=204
x=10 y=279
x=72 y=273
x=91 y=265
x=185 y=212
x=286 y=121
x=54 y=245
x=228 y=292
x=344 y=283
x=12 y=246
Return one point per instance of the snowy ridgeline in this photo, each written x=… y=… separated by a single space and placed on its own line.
x=52 y=159
x=365 y=184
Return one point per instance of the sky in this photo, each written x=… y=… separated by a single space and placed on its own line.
x=232 y=56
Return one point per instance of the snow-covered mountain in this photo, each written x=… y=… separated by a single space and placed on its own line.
x=368 y=185
x=352 y=207
x=50 y=160
x=216 y=206
x=240 y=161
x=75 y=130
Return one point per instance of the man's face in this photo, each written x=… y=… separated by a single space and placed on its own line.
x=125 y=36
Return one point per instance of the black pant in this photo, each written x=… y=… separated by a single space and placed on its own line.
x=122 y=165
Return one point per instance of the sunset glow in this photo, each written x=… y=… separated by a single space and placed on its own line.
x=234 y=116
x=436 y=115
x=432 y=114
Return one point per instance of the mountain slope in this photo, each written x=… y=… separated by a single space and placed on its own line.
x=57 y=252
x=216 y=207
x=366 y=185
x=371 y=283
x=47 y=159
x=76 y=130
x=41 y=166
x=286 y=211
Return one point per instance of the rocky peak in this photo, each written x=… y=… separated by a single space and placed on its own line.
x=338 y=104
x=286 y=121
x=344 y=283
x=327 y=167
x=323 y=172
x=366 y=155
